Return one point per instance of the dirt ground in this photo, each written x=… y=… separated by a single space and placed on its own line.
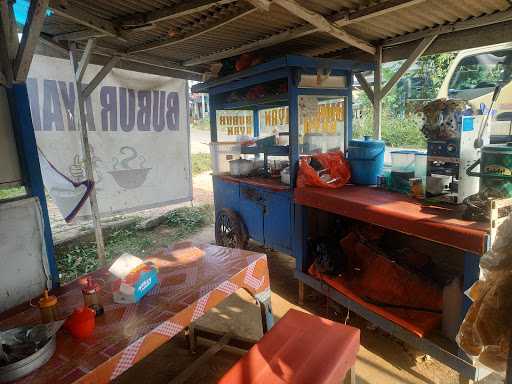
x=382 y=359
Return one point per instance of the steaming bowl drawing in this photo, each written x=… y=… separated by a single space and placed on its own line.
x=130 y=178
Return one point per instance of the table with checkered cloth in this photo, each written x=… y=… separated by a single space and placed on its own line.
x=192 y=281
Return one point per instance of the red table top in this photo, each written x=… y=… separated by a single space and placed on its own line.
x=192 y=281
x=271 y=183
x=400 y=213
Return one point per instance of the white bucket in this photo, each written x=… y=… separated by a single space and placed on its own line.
x=222 y=153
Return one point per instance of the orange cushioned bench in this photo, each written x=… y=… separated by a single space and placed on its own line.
x=299 y=349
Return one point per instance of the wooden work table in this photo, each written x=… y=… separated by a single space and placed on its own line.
x=400 y=213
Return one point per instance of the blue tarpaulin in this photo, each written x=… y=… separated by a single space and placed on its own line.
x=20 y=8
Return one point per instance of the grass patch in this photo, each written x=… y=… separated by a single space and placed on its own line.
x=180 y=224
x=201 y=162
x=11 y=193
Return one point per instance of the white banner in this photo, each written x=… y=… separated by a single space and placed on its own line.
x=138 y=132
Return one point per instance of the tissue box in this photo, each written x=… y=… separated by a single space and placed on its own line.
x=134 y=279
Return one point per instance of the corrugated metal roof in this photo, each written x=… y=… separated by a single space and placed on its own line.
x=261 y=24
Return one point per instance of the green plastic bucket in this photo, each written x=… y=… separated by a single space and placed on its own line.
x=495 y=170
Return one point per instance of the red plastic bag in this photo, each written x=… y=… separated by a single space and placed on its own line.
x=336 y=164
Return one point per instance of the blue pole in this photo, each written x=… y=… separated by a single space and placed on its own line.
x=27 y=148
x=256 y=122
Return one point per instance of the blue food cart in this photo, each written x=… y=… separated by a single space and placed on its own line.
x=311 y=102
x=261 y=207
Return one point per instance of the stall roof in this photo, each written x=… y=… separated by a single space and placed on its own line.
x=187 y=36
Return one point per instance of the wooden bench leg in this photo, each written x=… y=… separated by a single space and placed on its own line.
x=465 y=380
x=301 y=292
x=350 y=377
x=191 y=339
x=267 y=318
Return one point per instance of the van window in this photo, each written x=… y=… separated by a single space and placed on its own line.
x=482 y=72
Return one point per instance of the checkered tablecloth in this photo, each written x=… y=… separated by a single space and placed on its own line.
x=192 y=281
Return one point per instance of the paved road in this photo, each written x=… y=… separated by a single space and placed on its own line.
x=199 y=140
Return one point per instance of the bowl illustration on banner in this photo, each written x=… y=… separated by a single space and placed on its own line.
x=124 y=174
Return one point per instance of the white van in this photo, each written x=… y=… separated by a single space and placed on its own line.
x=473 y=76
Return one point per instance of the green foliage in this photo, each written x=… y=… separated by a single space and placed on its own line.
x=190 y=218
x=182 y=222
x=401 y=129
x=434 y=68
x=396 y=131
x=11 y=193
x=201 y=162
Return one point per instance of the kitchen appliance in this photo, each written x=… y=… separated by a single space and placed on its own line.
x=495 y=171
x=449 y=160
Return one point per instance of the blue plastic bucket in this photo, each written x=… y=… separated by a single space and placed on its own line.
x=366 y=158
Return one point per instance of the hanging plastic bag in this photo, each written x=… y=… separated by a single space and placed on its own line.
x=335 y=171
x=485 y=332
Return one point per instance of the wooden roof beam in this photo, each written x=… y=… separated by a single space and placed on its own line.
x=29 y=38
x=351 y=16
x=70 y=9
x=475 y=22
x=278 y=38
x=183 y=9
x=324 y=25
x=340 y=19
x=418 y=51
x=168 y=41
x=84 y=34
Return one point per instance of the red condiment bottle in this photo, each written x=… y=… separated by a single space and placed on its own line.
x=90 y=291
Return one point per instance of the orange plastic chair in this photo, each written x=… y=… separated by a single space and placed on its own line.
x=299 y=349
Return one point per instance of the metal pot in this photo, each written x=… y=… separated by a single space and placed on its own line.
x=29 y=364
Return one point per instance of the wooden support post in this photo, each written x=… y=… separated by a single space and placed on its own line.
x=5 y=62
x=84 y=61
x=89 y=172
x=29 y=38
x=350 y=377
x=100 y=76
x=301 y=293
x=418 y=51
x=365 y=86
x=377 y=98
x=9 y=43
x=201 y=360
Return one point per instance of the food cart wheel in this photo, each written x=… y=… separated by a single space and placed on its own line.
x=230 y=230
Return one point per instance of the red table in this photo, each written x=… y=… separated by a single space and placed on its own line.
x=398 y=212
x=192 y=281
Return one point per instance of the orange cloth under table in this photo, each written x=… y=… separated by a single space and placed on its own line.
x=299 y=349
x=398 y=212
